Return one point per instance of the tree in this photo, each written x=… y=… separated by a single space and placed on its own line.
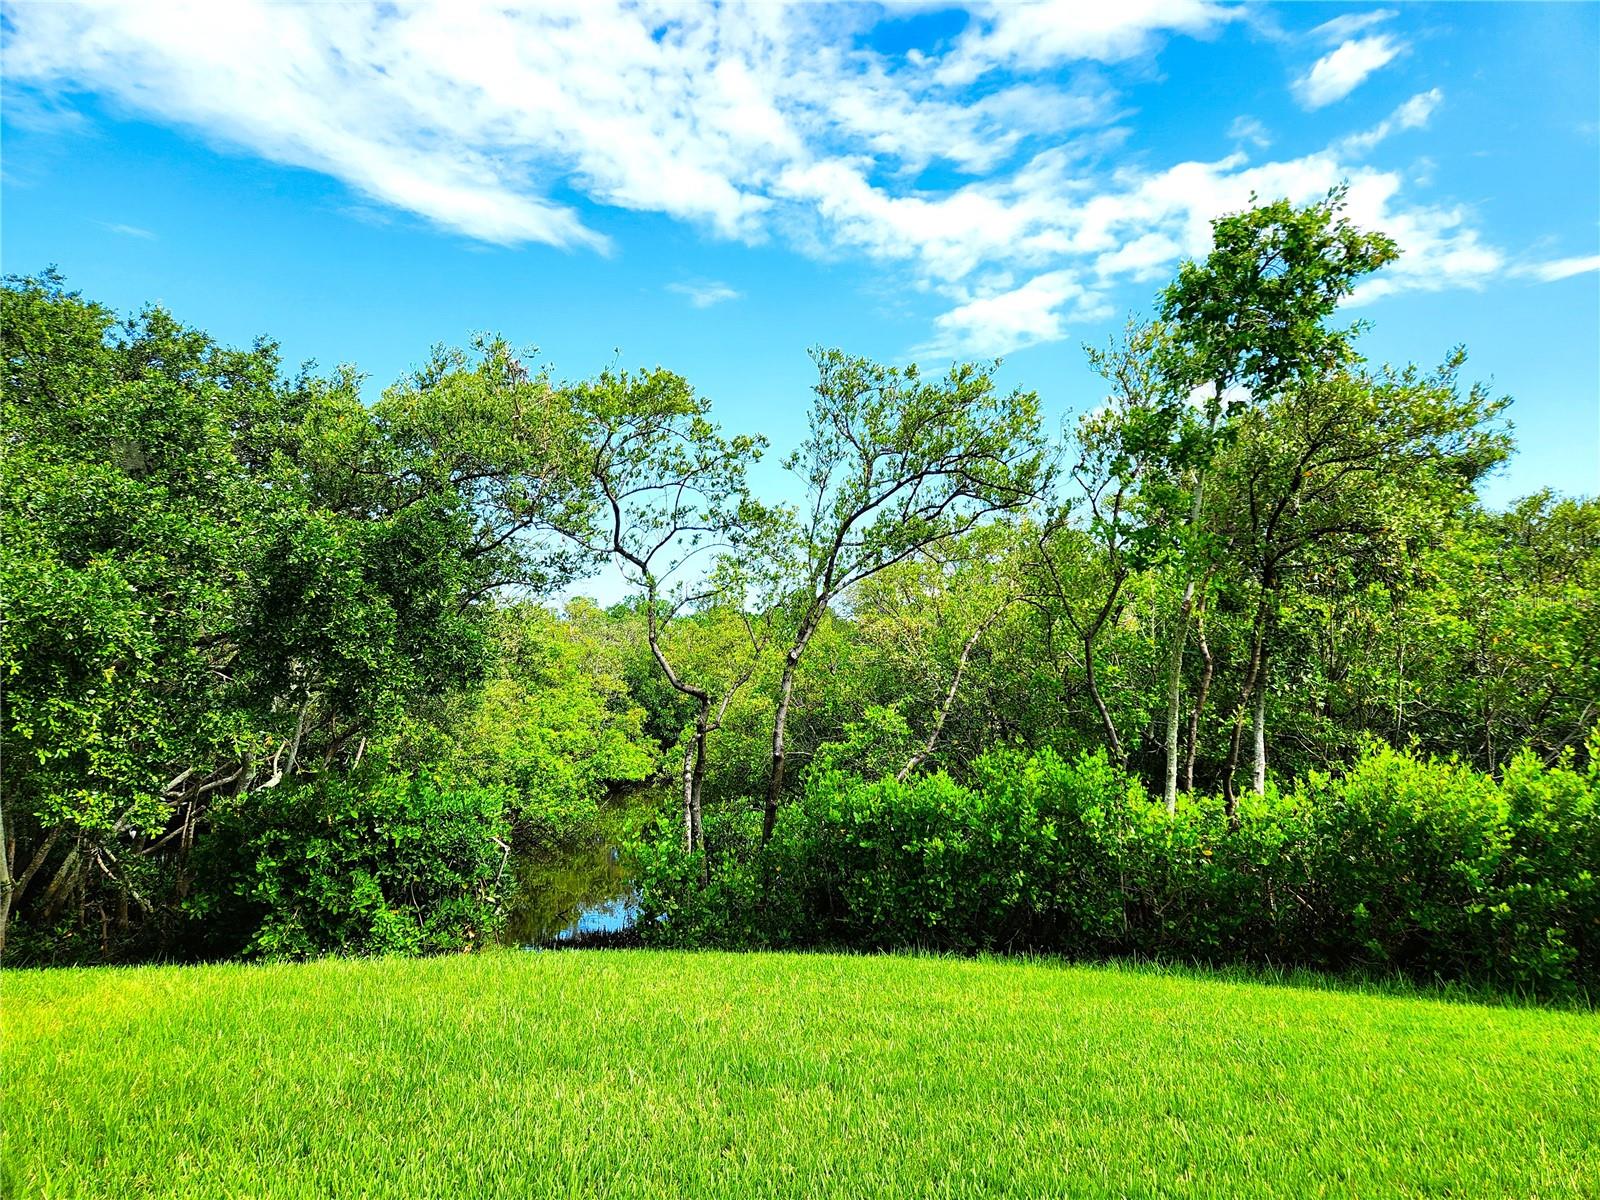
x=670 y=494
x=920 y=625
x=1108 y=528
x=553 y=722
x=1488 y=643
x=894 y=463
x=1342 y=471
x=1243 y=324
x=218 y=580
x=128 y=535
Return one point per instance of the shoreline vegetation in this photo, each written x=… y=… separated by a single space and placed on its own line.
x=1237 y=666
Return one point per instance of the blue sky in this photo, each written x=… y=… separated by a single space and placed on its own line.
x=717 y=188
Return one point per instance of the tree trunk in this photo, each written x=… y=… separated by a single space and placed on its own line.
x=791 y=663
x=949 y=698
x=688 y=796
x=1175 y=664
x=1113 y=742
x=15 y=886
x=769 y=816
x=1230 y=769
x=61 y=884
x=8 y=848
x=1175 y=699
x=1199 y=700
x=1251 y=691
x=1258 y=774
x=697 y=836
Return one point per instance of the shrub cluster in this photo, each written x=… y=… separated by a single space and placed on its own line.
x=374 y=863
x=1398 y=864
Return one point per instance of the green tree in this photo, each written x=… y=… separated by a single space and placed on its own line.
x=218 y=581
x=894 y=463
x=670 y=495
x=1111 y=523
x=1243 y=324
x=1341 y=474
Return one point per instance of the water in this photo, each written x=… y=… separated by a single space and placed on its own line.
x=562 y=894
x=612 y=916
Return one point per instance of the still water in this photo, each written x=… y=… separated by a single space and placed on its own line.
x=561 y=894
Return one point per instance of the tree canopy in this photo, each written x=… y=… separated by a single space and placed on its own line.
x=289 y=671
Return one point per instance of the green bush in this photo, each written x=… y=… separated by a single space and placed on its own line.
x=1546 y=921
x=1405 y=858
x=375 y=864
x=1399 y=864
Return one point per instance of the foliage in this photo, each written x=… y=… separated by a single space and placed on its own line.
x=375 y=863
x=1242 y=326
x=894 y=465
x=1399 y=863
x=218 y=580
x=1254 y=312
x=244 y=609
x=554 y=726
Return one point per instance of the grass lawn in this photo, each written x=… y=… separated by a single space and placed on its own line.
x=627 y=1073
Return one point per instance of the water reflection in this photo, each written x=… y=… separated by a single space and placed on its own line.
x=561 y=894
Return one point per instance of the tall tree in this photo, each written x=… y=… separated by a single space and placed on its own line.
x=1341 y=472
x=670 y=497
x=1109 y=525
x=1249 y=319
x=894 y=463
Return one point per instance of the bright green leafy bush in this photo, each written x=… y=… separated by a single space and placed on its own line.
x=1400 y=864
x=374 y=863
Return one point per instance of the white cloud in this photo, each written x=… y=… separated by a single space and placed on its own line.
x=1559 y=268
x=1347 y=26
x=1144 y=258
x=996 y=324
x=1248 y=129
x=1000 y=199
x=1415 y=113
x=1043 y=34
x=1440 y=248
x=705 y=293
x=1338 y=73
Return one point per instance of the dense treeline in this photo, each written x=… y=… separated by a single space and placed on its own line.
x=282 y=674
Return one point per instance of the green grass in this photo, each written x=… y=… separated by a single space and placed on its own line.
x=685 y=1075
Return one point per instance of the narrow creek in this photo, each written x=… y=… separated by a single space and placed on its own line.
x=567 y=893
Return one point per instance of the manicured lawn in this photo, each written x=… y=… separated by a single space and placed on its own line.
x=684 y=1075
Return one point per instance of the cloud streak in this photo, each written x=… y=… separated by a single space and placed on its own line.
x=1560 y=268
x=132 y=231
x=704 y=293
x=1415 y=113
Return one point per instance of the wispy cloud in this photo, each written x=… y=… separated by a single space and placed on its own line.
x=704 y=293
x=1037 y=311
x=126 y=230
x=1559 y=268
x=1338 y=73
x=1348 y=25
x=1038 y=36
x=1415 y=113
x=751 y=122
x=1248 y=129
